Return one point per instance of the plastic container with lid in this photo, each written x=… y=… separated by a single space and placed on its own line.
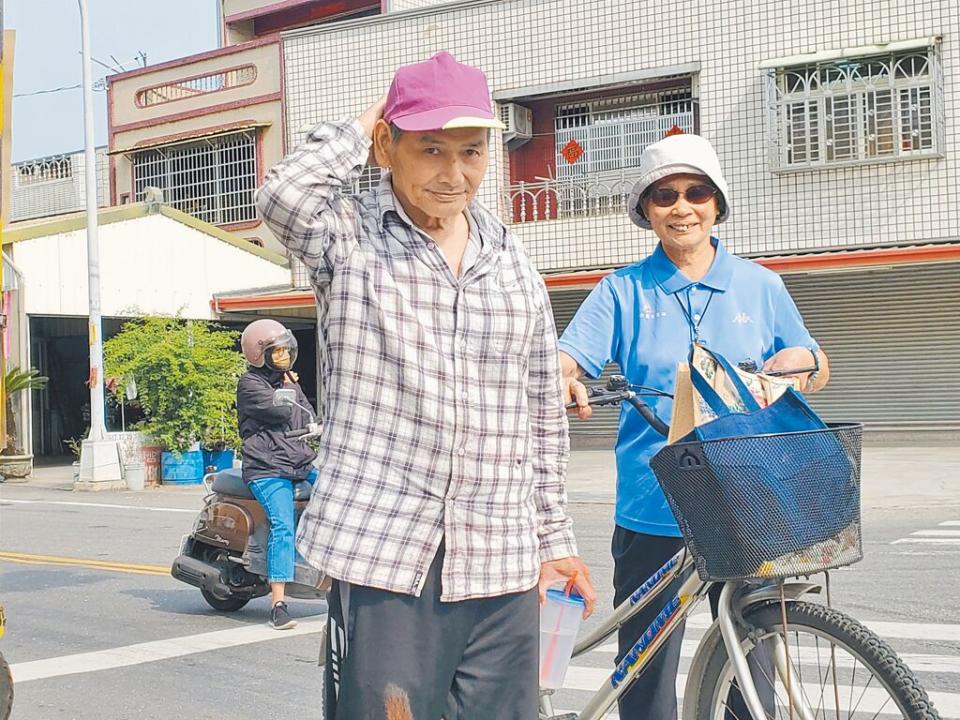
x=559 y=623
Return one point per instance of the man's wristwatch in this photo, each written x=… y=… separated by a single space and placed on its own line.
x=811 y=378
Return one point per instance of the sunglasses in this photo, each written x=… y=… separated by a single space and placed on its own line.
x=695 y=194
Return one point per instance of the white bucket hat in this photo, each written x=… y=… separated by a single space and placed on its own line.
x=678 y=155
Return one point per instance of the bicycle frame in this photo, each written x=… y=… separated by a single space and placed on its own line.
x=691 y=592
x=734 y=599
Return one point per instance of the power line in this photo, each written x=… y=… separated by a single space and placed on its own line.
x=45 y=92
x=99 y=85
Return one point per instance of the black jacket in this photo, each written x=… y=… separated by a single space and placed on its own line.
x=266 y=452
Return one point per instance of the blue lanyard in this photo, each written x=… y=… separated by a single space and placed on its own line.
x=688 y=313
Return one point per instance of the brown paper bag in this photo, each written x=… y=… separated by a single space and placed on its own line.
x=681 y=418
x=690 y=410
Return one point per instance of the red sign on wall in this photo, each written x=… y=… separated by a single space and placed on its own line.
x=572 y=151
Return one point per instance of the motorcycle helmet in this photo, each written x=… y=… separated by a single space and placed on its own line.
x=263 y=343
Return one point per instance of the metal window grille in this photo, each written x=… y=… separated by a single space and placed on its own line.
x=44 y=170
x=614 y=132
x=212 y=179
x=192 y=87
x=855 y=111
x=607 y=137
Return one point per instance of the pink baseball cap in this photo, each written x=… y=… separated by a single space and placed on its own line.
x=440 y=94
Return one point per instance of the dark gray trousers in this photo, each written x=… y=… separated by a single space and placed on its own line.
x=469 y=660
x=653 y=695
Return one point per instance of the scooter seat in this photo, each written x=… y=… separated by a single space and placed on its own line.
x=230 y=482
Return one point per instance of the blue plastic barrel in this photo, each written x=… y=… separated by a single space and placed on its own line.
x=217 y=460
x=185 y=469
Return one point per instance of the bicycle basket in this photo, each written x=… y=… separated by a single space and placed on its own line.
x=767 y=506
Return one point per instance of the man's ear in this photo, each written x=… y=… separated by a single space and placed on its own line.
x=382 y=144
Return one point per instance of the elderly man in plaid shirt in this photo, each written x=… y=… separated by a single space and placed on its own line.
x=440 y=507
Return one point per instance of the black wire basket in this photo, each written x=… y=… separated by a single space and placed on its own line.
x=767 y=506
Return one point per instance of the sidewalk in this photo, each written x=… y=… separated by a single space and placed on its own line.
x=60 y=477
x=891 y=477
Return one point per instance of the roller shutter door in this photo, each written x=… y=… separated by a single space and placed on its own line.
x=604 y=422
x=893 y=338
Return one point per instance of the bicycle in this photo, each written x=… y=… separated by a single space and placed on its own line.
x=756 y=615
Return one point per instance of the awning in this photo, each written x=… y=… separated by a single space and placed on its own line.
x=833 y=260
x=827 y=261
x=191 y=136
x=624 y=79
x=849 y=53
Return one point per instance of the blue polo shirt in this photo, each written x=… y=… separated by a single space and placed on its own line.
x=634 y=317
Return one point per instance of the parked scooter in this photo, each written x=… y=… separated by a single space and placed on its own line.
x=226 y=553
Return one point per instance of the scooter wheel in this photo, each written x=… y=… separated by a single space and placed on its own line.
x=231 y=604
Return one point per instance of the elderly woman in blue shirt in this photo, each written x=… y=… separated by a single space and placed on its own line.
x=645 y=317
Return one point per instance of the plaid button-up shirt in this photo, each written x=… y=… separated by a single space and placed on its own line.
x=443 y=417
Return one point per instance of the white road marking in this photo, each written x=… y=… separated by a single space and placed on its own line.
x=158 y=650
x=7 y=501
x=921 y=540
x=591 y=679
x=937 y=533
x=918 y=662
x=885 y=629
x=950 y=523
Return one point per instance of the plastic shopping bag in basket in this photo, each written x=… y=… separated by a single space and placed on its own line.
x=769 y=483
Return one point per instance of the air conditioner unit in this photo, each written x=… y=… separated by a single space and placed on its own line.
x=519 y=123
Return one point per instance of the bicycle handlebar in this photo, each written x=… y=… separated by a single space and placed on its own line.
x=649 y=415
x=616 y=391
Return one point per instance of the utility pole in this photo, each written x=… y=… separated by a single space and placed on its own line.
x=4 y=201
x=99 y=457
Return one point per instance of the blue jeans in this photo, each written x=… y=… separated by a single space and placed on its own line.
x=276 y=496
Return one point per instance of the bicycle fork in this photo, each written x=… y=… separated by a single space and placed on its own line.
x=738 y=659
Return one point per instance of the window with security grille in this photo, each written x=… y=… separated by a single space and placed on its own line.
x=599 y=143
x=212 y=179
x=855 y=110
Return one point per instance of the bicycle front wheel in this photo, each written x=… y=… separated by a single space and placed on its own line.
x=840 y=671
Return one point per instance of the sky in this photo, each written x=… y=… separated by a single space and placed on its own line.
x=47 y=56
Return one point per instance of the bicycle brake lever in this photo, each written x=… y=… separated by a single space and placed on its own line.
x=599 y=396
x=782 y=373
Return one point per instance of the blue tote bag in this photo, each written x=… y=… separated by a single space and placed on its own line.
x=755 y=485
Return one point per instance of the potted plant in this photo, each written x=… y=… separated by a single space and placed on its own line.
x=76 y=447
x=15 y=460
x=186 y=373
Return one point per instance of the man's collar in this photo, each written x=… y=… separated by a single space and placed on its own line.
x=490 y=230
x=672 y=280
x=387 y=202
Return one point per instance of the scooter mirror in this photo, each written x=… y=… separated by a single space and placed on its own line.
x=284 y=396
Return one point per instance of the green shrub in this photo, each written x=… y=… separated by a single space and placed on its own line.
x=186 y=373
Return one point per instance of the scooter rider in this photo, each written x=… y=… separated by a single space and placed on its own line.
x=272 y=463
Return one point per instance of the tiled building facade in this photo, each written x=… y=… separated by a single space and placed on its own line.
x=570 y=52
x=835 y=124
